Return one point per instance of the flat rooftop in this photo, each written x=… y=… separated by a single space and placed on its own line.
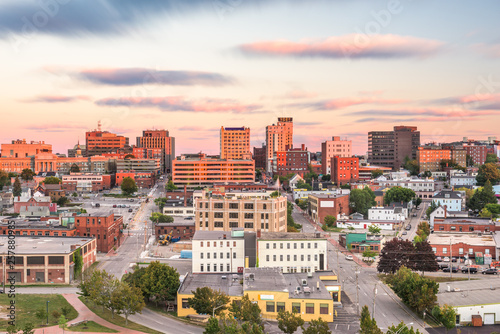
x=228 y=285
x=178 y=221
x=266 y=279
x=42 y=245
x=215 y=235
x=326 y=196
x=467 y=220
x=295 y=280
x=469 y=239
x=288 y=236
x=471 y=293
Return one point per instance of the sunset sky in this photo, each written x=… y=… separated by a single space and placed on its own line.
x=339 y=68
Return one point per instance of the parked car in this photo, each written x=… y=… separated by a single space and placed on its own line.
x=130 y=210
x=349 y=257
x=490 y=271
x=188 y=218
x=439 y=259
x=114 y=205
x=414 y=214
x=405 y=233
x=453 y=269
x=97 y=205
x=443 y=265
x=453 y=259
x=131 y=200
x=466 y=270
x=446 y=259
x=408 y=227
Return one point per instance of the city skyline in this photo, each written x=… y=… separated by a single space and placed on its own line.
x=338 y=68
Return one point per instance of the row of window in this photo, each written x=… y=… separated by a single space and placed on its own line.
x=460 y=250
x=221 y=255
x=221 y=243
x=272 y=307
x=214 y=266
x=288 y=245
x=39 y=233
x=288 y=257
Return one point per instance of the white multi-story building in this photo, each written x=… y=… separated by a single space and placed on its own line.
x=387 y=213
x=365 y=224
x=463 y=181
x=219 y=251
x=424 y=188
x=453 y=200
x=304 y=194
x=442 y=213
x=293 y=252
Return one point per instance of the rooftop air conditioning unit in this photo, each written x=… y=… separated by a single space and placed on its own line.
x=304 y=282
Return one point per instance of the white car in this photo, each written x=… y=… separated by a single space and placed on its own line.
x=349 y=257
x=446 y=259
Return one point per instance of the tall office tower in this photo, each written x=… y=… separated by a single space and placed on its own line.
x=389 y=148
x=279 y=137
x=159 y=140
x=334 y=148
x=234 y=142
x=98 y=142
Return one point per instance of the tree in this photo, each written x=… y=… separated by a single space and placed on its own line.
x=170 y=186
x=494 y=209
x=159 y=282
x=488 y=172
x=302 y=185
x=402 y=328
x=446 y=315
x=157 y=217
x=78 y=261
x=369 y=254
x=206 y=299
x=317 y=327
x=289 y=322
x=11 y=329
x=423 y=230
x=62 y=201
x=330 y=221
x=244 y=311
x=52 y=180
x=74 y=168
x=411 y=166
x=274 y=194
x=129 y=156
x=28 y=328
x=395 y=254
x=41 y=315
x=417 y=201
x=368 y=325
x=4 y=179
x=374 y=229
x=17 y=191
x=128 y=186
x=361 y=200
x=258 y=175
x=398 y=194
x=302 y=203
x=431 y=209
x=424 y=259
x=111 y=291
x=469 y=161
x=27 y=174
x=130 y=300
x=212 y=326
x=491 y=158
x=161 y=201
x=376 y=173
x=482 y=197
x=326 y=177
x=427 y=173
x=63 y=323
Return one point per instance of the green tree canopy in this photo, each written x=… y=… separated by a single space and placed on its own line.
x=244 y=311
x=326 y=177
x=395 y=254
x=62 y=201
x=483 y=197
x=159 y=282
x=398 y=194
x=361 y=200
x=27 y=174
x=374 y=229
x=491 y=158
x=74 y=168
x=205 y=301
x=157 y=217
x=289 y=322
x=368 y=325
x=376 y=173
x=170 y=186
x=488 y=172
x=128 y=186
x=4 y=179
x=128 y=300
x=411 y=166
x=446 y=315
x=402 y=328
x=52 y=180
x=302 y=185
x=317 y=327
x=427 y=173
x=330 y=221
x=161 y=201
x=17 y=191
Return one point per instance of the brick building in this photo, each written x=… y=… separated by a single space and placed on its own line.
x=22 y=149
x=389 y=148
x=291 y=161
x=38 y=228
x=105 y=227
x=25 y=203
x=234 y=142
x=160 y=145
x=51 y=262
x=139 y=165
x=464 y=225
x=185 y=230
x=321 y=206
x=143 y=180
x=279 y=137
x=478 y=153
x=332 y=148
x=259 y=155
x=86 y=182
x=98 y=142
x=344 y=170
x=429 y=158
x=459 y=245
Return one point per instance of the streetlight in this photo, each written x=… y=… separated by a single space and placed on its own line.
x=213 y=311
x=48 y=312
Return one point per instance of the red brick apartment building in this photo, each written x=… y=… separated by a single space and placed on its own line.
x=292 y=160
x=344 y=170
x=459 y=245
x=321 y=206
x=105 y=227
x=185 y=230
x=51 y=261
x=143 y=180
x=464 y=225
x=477 y=153
x=86 y=182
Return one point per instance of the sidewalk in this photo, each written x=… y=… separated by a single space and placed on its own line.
x=84 y=313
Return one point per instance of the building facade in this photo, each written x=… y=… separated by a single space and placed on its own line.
x=279 y=137
x=321 y=206
x=344 y=170
x=234 y=142
x=461 y=245
x=291 y=161
x=184 y=230
x=332 y=148
x=429 y=158
x=139 y=165
x=86 y=182
x=478 y=153
x=389 y=148
x=259 y=156
x=158 y=144
x=252 y=211
x=23 y=149
x=106 y=228
x=453 y=200
x=98 y=142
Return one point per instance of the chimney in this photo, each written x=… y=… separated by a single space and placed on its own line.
x=185 y=196
x=445 y=211
x=224 y=236
x=259 y=234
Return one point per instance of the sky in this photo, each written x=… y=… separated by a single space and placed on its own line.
x=338 y=67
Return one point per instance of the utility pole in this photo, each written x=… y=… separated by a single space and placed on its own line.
x=374 y=297
x=357 y=291
x=451 y=256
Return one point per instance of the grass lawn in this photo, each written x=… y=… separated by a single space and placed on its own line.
x=441 y=279
x=91 y=326
x=28 y=304
x=117 y=320
x=332 y=229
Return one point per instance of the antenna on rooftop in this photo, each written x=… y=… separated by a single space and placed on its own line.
x=99 y=125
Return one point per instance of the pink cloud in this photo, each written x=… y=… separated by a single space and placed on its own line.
x=351 y=45
x=489 y=50
x=57 y=99
x=179 y=103
x=340 y=103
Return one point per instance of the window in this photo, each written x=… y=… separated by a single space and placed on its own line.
x=233 y=224
x=309 y=245
x=294 y=245
x=248 y=215
x=315 y=245
x=208 y=243
x=267 y=245
x=185 y=303
x=274 y=245
x=280 y=306
x=215 y=267
x=201 y=267
x=228 y=267
x=201 y=255
x=218 y=205
x=287 y=245
x=274 y=258
x=215 y=255
x=471 y=251
x=249 y=225
x=281 y=245
x=219 y=224
x=486 y=251
x=296 y=307
x=234 y=243
x=308 y=257
x=323 y=308
x=269 y=306
x=233 y=205
x=434 y=249
x=233 y=215
x=208 y=267
x=228 y=255
x=302 y=245
x=281 y=258
x=445 y=250
x=302 y=257
x=295 y=258
x=460 y=251
x=267 y=258
x=309 y=308
x=221 y=267
x=234 y=255
x=218 y=215
x=288 y=257
x=248 y=206
x=208 y=255
x=315 y=257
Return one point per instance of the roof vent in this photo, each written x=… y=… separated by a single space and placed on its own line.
x=223 y=277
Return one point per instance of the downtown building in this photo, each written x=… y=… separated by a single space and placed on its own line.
x=156 y=144
x=334 y=148
x=344 y=170
x=234 y=143
x=291 y=161
x=279 y=137
x=389 y=148
x=98 y=142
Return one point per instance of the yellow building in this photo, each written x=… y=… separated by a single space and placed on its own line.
x=310 y=294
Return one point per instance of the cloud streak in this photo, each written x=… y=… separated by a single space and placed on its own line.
x=340 y=103
x=181 y=104
x=347 y=46
x=57 y=99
